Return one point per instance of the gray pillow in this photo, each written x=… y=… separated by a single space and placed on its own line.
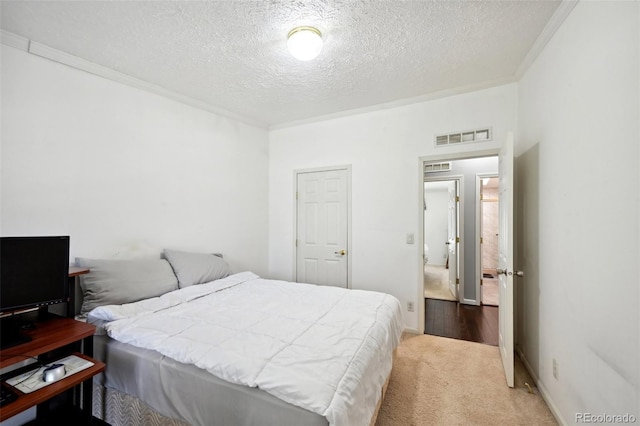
x=196 y=268
x=114 y=282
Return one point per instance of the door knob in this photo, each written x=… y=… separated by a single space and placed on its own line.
x=341 y=252
x=505 y=272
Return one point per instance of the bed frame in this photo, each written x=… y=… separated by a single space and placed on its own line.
x=119 y=409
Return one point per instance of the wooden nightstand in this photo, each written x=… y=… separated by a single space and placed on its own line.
x=74 y=272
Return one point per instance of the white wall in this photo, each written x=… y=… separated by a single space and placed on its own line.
x=383 y=148
x=436 y=222
x=578 y=185
x=121 y=170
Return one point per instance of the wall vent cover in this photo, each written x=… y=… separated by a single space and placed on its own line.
x=437 y=167
x=479 y=135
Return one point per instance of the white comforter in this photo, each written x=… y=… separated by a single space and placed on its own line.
x=325 y=349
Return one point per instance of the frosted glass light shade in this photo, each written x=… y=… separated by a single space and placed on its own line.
x=304 y=43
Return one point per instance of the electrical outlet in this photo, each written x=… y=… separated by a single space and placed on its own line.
x=555 y=368
x=410 y=306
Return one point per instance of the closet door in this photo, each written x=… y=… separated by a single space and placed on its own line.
x=322 y=227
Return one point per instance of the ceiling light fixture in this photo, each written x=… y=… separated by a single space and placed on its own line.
x=304 y=43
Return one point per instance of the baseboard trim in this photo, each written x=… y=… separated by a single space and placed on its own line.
x=411 y=331
x=543 y=390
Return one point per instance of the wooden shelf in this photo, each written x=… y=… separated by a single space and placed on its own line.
x=28 y=400
x=49 y=334
x=75 y=271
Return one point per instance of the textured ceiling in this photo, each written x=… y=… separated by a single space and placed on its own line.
x=232 y=54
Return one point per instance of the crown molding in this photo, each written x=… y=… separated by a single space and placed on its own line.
x=44 y=51
x=14 y=40
x=558 y=17
x=400 y=103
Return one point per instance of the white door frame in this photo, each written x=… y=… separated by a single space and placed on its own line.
x=460 y=252
x=432 y=159
x=479 y=177
x=346 y=167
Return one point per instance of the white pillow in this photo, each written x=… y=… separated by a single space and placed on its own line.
x=196 y=268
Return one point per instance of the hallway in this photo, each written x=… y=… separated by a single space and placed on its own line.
x=465 y=322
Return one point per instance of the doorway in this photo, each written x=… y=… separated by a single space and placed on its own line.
x=450 y=187
x=441 y=238
x=323 y=222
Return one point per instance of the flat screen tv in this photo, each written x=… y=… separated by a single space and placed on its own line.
x=34 y=273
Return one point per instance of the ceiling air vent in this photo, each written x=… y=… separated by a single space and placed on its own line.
x=480 y=135
x=437 y=167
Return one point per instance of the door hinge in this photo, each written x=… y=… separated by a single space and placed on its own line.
x=481 y=282
x=457 y=280
x=481 y=240
x=457 y=199
x=457 y=239
x=481 y=197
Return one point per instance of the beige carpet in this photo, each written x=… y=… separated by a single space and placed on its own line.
x=440 y=381
x=436 y=282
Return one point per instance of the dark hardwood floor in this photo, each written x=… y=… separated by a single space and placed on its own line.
x=464 y=322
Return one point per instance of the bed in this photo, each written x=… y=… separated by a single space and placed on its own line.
x=187 y=342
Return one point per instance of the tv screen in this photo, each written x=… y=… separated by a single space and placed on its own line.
x=34 y=272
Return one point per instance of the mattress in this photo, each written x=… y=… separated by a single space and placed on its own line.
x=187 y=393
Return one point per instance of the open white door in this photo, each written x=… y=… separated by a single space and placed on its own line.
x=505 y=258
